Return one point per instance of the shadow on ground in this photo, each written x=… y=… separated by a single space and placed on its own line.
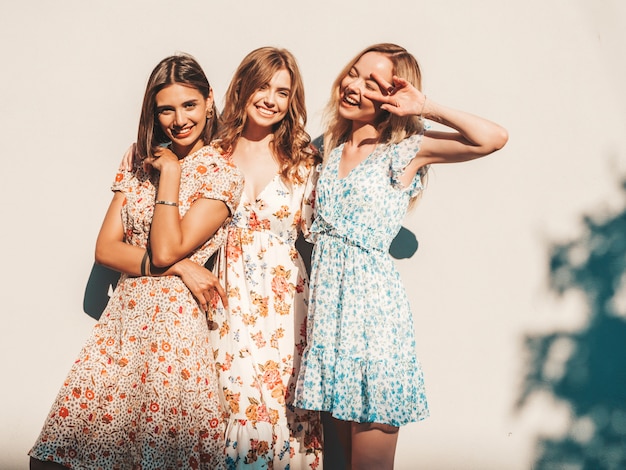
x=592 y=377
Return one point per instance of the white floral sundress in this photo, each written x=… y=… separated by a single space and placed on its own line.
x=360 y=363
x=260 y=338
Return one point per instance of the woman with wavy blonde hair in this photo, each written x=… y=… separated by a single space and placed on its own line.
x=360 y=364
x=260 y=336
x=391 y=127
x=290 y=143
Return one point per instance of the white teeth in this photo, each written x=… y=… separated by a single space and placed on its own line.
x=184 y=130
x=266 y=112
x=349 y=100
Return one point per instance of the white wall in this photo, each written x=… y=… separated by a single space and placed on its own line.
x=552 y=72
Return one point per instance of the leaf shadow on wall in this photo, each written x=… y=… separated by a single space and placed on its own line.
x=586 y=368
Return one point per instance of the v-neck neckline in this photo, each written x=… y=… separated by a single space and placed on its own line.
x=360 y=164
x=244 y=194
x=260 y=193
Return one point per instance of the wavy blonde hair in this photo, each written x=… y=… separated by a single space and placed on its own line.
x=291 y=144
x=391 y=128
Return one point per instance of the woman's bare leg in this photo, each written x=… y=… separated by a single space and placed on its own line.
x=373 y=446
x=344 y=434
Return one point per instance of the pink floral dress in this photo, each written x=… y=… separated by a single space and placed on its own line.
x=260 y=338
x=142 y=393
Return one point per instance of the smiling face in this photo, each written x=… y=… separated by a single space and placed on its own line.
x=352 y=104
x=182 y=114
x=269 y=104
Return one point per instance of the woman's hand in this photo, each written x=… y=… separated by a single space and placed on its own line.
x=399 y=98
x=202 y=283
x=161 y=159
x=470 y=136
x=128 y=159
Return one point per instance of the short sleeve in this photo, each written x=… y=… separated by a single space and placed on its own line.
x=221 y=180
x=401 y=155
x=122 y=180
x=308 y=200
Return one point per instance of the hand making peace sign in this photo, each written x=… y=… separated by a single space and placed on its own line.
x=399 y=98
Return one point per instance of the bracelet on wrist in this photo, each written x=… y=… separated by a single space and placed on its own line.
x=421 y=114
x=167 y=203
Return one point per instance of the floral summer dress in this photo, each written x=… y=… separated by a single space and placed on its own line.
x=360 y=363
x=142 y=393
x=260 y=339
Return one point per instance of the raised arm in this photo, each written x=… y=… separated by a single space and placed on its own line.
x=113 y=252
x=475 y=136
x=470 y=136
x=199 y=280
x=172 y=237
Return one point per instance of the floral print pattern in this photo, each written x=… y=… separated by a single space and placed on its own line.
x=260 y=338
x=143 y=391
x=359 y=363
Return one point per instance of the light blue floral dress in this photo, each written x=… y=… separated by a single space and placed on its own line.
x=360 y=363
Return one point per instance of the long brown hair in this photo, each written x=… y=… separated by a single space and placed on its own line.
x=391 y=128
x=291 y=143
x=184 y=70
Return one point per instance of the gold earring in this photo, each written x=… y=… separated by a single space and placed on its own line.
x=209 y=114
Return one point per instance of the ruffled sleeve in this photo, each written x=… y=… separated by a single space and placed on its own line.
x=221 y=180
x=401 y=155
x=122 y=180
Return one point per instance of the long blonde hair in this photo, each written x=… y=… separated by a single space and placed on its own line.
x=391 y=128
x=291 y=144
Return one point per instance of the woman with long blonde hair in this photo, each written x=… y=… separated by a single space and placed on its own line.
x=360 y=364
